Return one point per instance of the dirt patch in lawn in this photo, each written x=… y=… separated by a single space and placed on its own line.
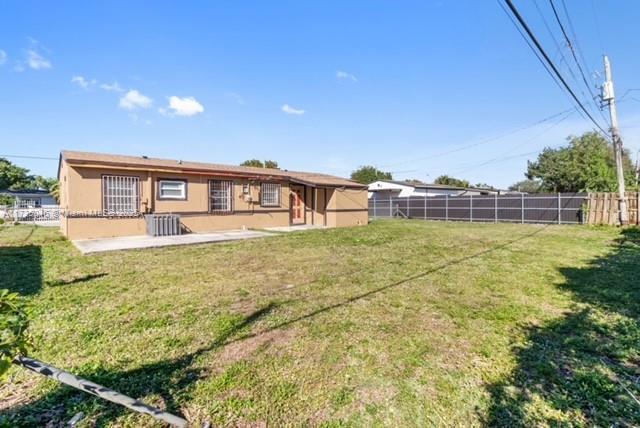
x=273 y=340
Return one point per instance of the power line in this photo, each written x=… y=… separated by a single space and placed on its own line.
x=576 y=42
x=573 y=50
x=555 y=41
x=533 y=38
x=545 y=66
x=594 y=12
x=481 y=142
x=627 y=93
x=535 y=52
x=28 y=157
x=569 y=44
x=505 y=156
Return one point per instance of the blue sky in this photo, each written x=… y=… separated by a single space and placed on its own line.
x=316 y=85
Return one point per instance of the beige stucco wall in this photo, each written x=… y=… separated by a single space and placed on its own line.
x=82 y=192
x=347 y=207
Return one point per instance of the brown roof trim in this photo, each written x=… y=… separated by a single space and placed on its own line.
x=168 y=169
x=98 y=160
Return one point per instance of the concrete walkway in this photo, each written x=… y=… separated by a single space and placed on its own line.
x=87 y=246
x=296 y=228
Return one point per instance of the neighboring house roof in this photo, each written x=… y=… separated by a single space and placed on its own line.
x=420 y=185
x=97 y=160
x=25 y=192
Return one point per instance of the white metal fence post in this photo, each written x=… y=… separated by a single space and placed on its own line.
x=495 y=207
x=522 y=208
x=425 y=206
x=470 y=208
x=374 y=206
x=446 y=207
x=559 y=209
x=390 y=207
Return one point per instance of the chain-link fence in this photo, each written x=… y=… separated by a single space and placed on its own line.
x=49 y=216
x=560 y=208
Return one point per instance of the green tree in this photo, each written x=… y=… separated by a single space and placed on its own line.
x=12 y=175
x=15 y=177
x=14 y=321
x=413 y=181
x=526 y=186
x=36 y=182
x=368 y=174
x=257 y=163
x=483 y=186
x=55 y=191
x=586 y=164
x=451 y=181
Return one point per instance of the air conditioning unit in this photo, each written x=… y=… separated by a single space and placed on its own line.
x=163 y=224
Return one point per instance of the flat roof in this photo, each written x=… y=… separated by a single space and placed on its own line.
x=96 y=160
x=25 y=192
x=435 y=186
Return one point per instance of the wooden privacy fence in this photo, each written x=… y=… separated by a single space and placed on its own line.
x=602 y=208
x=559 y=208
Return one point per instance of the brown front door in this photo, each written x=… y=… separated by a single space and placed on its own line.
x=297 y=205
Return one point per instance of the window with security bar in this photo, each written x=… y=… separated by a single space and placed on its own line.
x=120 y=195
x=29 y=203
x=270 y=194
x=221 y=195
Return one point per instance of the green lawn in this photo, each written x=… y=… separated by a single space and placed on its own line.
x=401 y=323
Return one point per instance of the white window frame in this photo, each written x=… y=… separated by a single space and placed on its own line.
x=217 y=190
x=267 y=196
x=27 y=203
x=120 y=195
x=183 y=189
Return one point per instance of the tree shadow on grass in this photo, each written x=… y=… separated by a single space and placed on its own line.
x=170 y=378
x=77 y=280
x=583 y=368
x=21 y=269
x=167 y=379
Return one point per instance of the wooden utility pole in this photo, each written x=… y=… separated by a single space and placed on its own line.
x=608 y=97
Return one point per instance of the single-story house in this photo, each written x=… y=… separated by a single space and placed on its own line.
x=385 y=189
x=104 y=195
x=31 y=198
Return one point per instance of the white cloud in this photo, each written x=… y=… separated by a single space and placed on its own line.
x=3 y=57
x=37 y=61
x=235 y=97
x=133 y=100
x=83 y=82
x=290 y=110
x=336 y=163
x=111 y=87
x=187 y=106
x=343 y=75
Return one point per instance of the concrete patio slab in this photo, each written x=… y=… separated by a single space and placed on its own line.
x=297 y=228
x=87 y=246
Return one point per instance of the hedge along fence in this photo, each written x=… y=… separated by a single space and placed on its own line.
x=559 y=208
x=603 y=208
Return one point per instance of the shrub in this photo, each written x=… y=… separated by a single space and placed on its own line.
x=14 y=321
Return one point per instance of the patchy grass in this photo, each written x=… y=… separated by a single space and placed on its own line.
x=401 y=323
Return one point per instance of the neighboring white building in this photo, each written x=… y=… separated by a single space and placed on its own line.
x=31 y=198
x=384 y=189
x=33 y=206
